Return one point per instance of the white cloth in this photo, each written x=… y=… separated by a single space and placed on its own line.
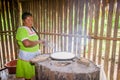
x=102 y=73
x=27 y=55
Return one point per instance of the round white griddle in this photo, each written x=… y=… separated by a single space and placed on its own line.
x=62 y=56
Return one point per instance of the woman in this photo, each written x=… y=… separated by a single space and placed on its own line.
x=29 y=47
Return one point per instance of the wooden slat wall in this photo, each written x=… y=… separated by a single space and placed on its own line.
x=89 y=28
x=108 y=34
x=65 y=23
x=9 y=20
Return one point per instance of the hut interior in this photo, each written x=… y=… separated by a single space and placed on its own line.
x=87 y=28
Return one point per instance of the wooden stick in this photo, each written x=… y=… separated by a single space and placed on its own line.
x=118 y=69
x=10 y=53
x=85 y=25
x=74 y=35
x=5 y=42
x=97 y=10
x=108 y=44
x=65 y=22
x=81 y=4
x=75 y=25
x=114 y=45
x=90 y=27
x=101 y=32
x=70 y=17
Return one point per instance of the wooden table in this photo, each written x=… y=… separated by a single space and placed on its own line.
x=66 y=70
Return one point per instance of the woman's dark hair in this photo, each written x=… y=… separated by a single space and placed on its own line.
x=25 y=15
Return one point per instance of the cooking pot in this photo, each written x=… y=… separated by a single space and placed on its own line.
x=11 y=66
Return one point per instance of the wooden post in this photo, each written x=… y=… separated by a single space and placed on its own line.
x=101 y=31
x=109 y=27
x=112 y=71
x=118 y=71
x=118 y=14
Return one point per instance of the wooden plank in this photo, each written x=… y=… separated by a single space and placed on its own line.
x=34 y=13
x=63 y=18
x=27 y=7
x=12 y=29
x=60 y=27
x=81 y=4
x=84 y=32
x=40 y=22
x=31 y=7
x=90 y=26
x=17 y=20
x=47 y=21
x=73 y=35
x=1 y=57
x=48 y=27
x=105 y=38
x=97 y=10
x=6 y=28
x=75 y=25
x=61 y=24
x=114 y=45
x=43 y=22
x=118 y=69
x=70 y=23
x=101 y=31
x=23 y=5
x=67 y=35
x=5 y=36
x=10 y=50
x=57 y=25
x=12 y=14
x=52 y=27
x=53 y=22
x=109 y=26
x=65 y=23
x=38 y=18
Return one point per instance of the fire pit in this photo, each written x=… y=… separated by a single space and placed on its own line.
x=59 y=69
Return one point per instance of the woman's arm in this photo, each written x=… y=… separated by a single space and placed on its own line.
x=28 y=43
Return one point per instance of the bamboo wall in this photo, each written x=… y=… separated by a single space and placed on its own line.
x=8 y=23
x=88 y=28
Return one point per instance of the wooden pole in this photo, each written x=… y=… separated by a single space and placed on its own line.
x=85 y=25
x=97 y=10
x=101 y=30
x=114 y=46
x=108 y=43
x=90 y=27
x=81 y=4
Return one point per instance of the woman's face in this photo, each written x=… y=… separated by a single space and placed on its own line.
x=28 y=21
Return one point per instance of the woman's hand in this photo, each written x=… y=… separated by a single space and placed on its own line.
x=28 y=43
x=41 y=41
